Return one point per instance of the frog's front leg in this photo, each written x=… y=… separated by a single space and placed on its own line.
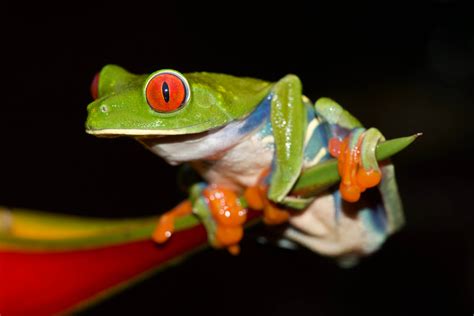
x=218 y=208
x=227 y=216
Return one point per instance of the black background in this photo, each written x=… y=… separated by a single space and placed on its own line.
x=404 y=68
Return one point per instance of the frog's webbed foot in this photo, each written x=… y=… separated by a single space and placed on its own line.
x=357 y=163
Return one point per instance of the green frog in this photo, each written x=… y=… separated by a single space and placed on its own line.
x=250 y=140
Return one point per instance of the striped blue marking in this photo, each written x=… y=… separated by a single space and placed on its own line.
x=257 y=117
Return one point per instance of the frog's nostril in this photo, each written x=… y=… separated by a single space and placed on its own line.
x=95 y=87
x=104 y=108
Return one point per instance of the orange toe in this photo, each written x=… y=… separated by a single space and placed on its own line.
x=273 y=215
x=164 y=229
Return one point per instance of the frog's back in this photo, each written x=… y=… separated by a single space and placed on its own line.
x=231 y=88
x=229 y=83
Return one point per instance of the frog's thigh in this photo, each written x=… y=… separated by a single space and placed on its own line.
x=318 y=229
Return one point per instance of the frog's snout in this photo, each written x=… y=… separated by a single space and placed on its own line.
x=97 y=113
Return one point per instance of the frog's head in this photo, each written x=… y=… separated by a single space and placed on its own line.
x=167 y=102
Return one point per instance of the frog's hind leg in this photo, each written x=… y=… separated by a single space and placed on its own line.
x=357 y=163
x=369 y=172
x=391 y=198
x=334 y=114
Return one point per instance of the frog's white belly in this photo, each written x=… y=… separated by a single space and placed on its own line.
x=225 y=156
x=240 y=166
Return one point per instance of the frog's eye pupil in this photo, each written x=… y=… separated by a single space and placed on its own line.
x=167 y=91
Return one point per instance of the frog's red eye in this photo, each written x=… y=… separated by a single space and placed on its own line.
x=95 y=87
x=167 y=92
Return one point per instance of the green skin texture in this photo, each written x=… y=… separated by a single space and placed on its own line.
x=216 y=100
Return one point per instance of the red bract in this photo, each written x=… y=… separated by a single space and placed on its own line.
x=45 y=283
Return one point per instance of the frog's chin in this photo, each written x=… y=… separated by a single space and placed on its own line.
x=176 y=149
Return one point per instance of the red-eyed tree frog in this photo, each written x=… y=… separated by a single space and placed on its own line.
x=252 y=139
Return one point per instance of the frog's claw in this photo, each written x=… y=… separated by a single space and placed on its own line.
x=357 y=163
x=165 y=227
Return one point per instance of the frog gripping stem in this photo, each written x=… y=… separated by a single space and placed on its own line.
x=357 y=163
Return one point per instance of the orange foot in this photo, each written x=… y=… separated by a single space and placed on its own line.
x=229 y=215
x=256 y=198
x=165 y=227
x=354 y=178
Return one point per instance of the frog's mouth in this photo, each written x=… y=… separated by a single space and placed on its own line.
x=112 y=132
x=132 y=132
